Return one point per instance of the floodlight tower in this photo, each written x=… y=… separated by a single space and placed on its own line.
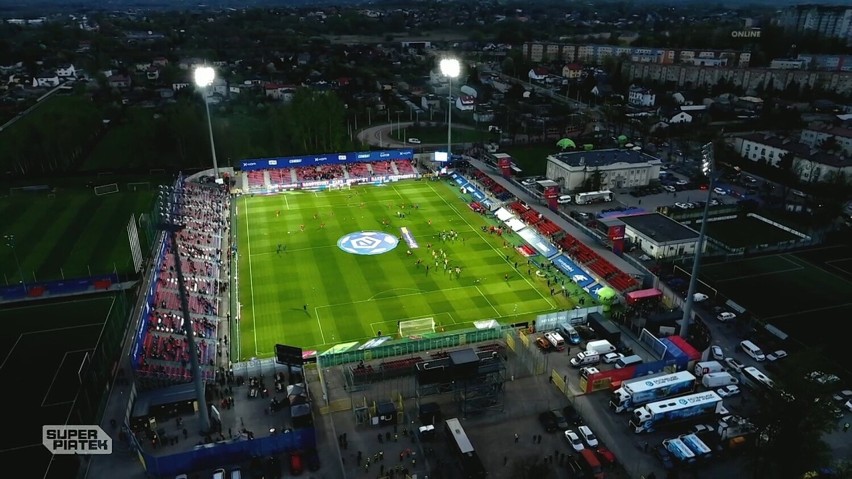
x=171 y=221
x=204 y=77
x=708 y=167
x=450 y=68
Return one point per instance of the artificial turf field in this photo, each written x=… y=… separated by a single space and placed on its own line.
x=71 y=235
x=314 y=295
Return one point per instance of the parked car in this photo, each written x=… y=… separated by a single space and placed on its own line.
x=726 y=316
x=561 y=421
x=728 y=391
x=606 y=456
x=669 y=188
x=610 y=358
x=572 y=415
x=699 y=297
x=734 y=364
x=716 y=352
x=776 y=355
x=574 y=440
x=543 y=343
x=548 y=421
x=588 y=436
x=701 y=428
x=414 y=141
x=842 y=396
x=719 y=191
x=297 y=465
x=664 y=456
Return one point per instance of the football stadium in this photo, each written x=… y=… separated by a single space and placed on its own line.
x=336 y=259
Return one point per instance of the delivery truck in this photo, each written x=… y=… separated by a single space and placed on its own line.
x=641 y=391
x=715 y=380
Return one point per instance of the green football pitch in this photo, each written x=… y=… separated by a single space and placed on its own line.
x=313 y=294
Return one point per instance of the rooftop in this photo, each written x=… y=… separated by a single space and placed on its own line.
x=661 y=229
x=596 y=158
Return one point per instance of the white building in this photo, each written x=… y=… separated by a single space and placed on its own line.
x=808 y=163
x=639 y=96
x=815 y=136
x=824 y=20
x=46 y=80
x=66 y=71
x=788 y=64
x=465 y=103
x=617 y=168
x=770 y=149
x=660 y=236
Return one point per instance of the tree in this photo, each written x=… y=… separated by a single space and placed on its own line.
x=791 y=422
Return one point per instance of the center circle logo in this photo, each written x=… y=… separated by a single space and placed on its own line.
x=368 y=242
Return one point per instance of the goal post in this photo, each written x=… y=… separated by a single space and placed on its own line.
x=416 y=327
x=108 y=189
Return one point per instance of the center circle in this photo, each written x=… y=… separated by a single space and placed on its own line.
x=368 y=242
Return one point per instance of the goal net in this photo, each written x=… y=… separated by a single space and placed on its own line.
x=416 y=327
x=111 y=188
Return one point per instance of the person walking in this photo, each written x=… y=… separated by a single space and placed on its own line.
x=846 y=427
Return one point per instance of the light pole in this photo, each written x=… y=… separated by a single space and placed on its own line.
x=203 y=79
x=708 y=167
x=10 y=242
x=450 y=68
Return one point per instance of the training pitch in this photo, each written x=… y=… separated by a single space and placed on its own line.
x=339 y=278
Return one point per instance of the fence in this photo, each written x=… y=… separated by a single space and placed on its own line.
x=410 y=346
x=61 y=287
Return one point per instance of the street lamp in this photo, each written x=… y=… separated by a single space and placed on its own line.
x=708 y=167
x=10 y=242
x=204 y=77
x=450 y=68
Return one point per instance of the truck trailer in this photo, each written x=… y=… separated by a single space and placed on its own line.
x=701 y=450
x=684 y=409
x=679 y=451
x=604 y=328
x=640 y=391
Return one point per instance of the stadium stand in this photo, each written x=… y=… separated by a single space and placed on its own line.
x=358 y=170
x=256 y=179
x=164 y=356
x=405 y=167
x=280 y=177
x=382 y=168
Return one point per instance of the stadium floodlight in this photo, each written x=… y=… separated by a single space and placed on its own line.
x=450 y=68
x=708 y=167
x=204 y=77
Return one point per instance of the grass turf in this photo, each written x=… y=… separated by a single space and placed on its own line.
x=748 y=231
x=70 y=234
x=52 y=334
x=314 y=295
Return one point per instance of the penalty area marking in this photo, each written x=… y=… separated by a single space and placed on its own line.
x=374 y=297
x=44 y=402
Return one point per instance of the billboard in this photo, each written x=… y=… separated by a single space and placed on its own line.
x=326 y=159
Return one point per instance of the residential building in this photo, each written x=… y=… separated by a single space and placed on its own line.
x=672 y=116
x=280 y=92
x=431 y=102
x=119 y=81
x=537 y=73
x=465 y=103
x=788 y=64
x=820 y=166
x=543 y=52
x=66 y=71
x=46 y=80
x=834 y=63
x=659 y=236
x=152 y=73
x=766 y=147
x=815 y=136
x=572 y=71
x=618 y=168
x=824 y=20
x=639 y=96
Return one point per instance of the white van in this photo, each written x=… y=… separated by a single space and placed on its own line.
x=752 y=350
x=715 y=380
x=563 y=200
x=219 y=474
x=555 y=339
x=601 y=346
x=585 y=358
x=628 y=361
